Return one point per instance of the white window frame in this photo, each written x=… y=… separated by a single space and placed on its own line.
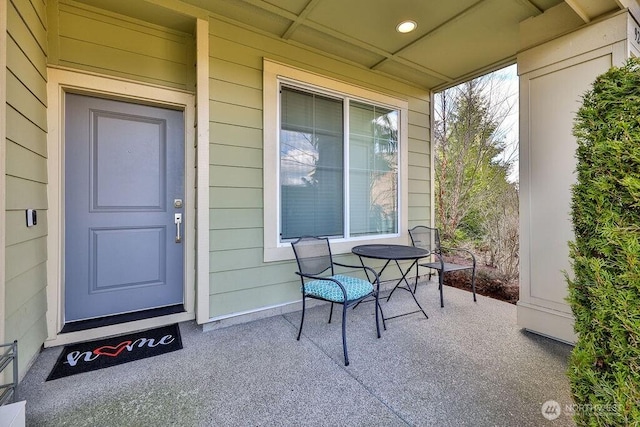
x=275 y=74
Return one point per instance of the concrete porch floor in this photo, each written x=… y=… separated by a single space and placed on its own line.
x=467 y=365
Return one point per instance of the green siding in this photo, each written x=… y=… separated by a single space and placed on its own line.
x=26 y=177
x=253 y=298
x=228 y=219
x=96 y=40
x=231 y=176
x=227 y=155
x=25 y=194
x=25 y=164
x=418 y=174
x=419 y=169
x=237 y=115
x=228 y=260
x=24 y=256
x=21 y=30
x=226 y=134
x=24 y=287
x=246 y=276
x=417 y=159
x=26 y=324
x=18 y=233
x=20 y=97
x=26 y=133
x=29 y=314
x=235 y=73
x=226 y=239
x=237 y=198
x=419 y=215
x=233 y=93
x=418 y=145
x=30 y=76
x=239 y=279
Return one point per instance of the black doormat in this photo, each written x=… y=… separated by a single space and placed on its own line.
x=98 y=354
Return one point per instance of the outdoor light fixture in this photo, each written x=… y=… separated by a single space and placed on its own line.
x=406 y=26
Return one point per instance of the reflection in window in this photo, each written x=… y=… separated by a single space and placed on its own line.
x=373 y=169
x=313 y=174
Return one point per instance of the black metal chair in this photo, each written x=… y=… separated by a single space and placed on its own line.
x=429 y=238
x=314 y=258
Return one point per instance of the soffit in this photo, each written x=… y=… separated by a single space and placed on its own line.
x=587 y=10
x=454 y=40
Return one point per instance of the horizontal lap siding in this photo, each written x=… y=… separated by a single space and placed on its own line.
x=26 y=177
x=239 y=279
x=419 y=164
x=94 y=40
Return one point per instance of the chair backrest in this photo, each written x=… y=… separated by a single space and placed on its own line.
x=313 y=255
x=425 y=237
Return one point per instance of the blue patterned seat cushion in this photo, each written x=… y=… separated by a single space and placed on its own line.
x=326 y=289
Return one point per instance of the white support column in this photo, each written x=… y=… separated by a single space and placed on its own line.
x=202 y=180
x=553 y=78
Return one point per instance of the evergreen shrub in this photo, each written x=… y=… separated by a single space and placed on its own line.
x=604 y=291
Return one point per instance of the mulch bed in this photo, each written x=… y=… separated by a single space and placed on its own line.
x=486 y=284
x=488 y=281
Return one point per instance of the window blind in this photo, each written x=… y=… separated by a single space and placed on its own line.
x=311 y=164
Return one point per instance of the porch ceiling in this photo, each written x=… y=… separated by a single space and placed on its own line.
x=454 y=40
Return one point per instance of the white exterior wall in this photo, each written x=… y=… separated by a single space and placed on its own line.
x=553 y=78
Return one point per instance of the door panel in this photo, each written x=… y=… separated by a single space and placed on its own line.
x=111 y=268
x=124 y=167
x=136 y=163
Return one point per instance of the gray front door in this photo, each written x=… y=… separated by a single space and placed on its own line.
x=124 y=181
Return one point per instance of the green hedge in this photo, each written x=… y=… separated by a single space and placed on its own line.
x=604 y=292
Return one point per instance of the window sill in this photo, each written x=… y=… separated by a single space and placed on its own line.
x=284 y=252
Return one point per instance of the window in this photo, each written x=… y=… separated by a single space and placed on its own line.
x=315 y=177
x=332 y=160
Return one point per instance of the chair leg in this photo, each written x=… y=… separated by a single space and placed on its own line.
x=377 y=321
x=301 y=319
x=473 y=283
x=441 y=283
x=384 y=323
x=415 y=288
x=331 y=313
x=344 y=334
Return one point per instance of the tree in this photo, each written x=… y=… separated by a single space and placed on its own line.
x=470 y=161
x=500 y=225
x=605 y=291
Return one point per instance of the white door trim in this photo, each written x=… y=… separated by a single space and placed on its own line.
x=61 y=81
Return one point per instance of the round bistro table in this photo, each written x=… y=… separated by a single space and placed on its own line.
x=394 y=253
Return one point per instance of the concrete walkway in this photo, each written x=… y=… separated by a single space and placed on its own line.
x=467 y=365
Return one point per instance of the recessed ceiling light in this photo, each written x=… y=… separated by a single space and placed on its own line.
x=406 y=26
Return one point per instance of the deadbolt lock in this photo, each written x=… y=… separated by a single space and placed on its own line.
x=177 y=203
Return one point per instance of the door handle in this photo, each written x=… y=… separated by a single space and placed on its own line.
x=178 y=221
